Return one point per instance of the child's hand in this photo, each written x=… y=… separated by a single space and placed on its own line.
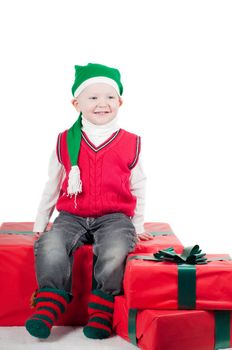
x=37 y=234
x=145 y=236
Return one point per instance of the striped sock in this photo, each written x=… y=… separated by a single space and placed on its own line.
x=50 y=303
x=100 y=309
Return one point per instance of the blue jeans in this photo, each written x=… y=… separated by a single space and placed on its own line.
x=113 y=236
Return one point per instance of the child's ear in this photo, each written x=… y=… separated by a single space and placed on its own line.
x=120 y=101
x=75 y=104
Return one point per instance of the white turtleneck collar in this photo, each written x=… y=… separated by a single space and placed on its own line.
x=97 y=134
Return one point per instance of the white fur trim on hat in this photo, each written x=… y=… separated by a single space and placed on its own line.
x=95 y=80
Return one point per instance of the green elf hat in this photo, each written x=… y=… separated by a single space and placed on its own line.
x=84 y=76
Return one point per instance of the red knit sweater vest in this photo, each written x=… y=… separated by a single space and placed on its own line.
x=105 y=174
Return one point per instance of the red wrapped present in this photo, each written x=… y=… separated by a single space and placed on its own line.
x=163 y=237
x=17 y=275
x=150 y=284
x=18 y=280
x=173 y=329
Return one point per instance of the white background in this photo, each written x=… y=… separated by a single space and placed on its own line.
x=175 y=60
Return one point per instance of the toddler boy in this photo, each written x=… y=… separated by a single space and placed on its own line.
x=97 y=184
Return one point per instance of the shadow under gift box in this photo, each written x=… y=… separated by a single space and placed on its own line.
x=173 y=329
x=167 y=285
x=18 y=280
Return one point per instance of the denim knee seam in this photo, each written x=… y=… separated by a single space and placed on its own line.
x=75 y=241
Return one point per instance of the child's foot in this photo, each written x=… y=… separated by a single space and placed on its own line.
x=49 y=304
x=100 y=308
x=38 y=328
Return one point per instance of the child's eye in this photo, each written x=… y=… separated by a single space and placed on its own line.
x=92 y=97
x=111 y=97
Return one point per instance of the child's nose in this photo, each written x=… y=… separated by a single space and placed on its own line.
x=102 y=102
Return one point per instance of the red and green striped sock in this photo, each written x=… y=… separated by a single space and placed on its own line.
x=50 y=303
x=100 y=309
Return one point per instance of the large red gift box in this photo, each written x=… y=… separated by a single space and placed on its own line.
x=17 y=274
x=163 y=236
x=18 y=281
x=173 y=329
x=156 y=285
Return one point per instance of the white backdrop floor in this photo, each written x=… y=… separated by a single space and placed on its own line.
x=70 y=338
x=17 y=338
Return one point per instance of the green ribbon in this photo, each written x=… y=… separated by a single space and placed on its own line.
x=161 y=233
x=186 y=265
x=17 y=232
x=222 y=329
x=154 y=233
x=132 y=326
x=221 y=333
x=186 y=287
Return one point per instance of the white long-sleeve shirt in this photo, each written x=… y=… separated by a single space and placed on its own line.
x=97 y=134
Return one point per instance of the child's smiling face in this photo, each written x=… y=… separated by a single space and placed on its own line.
x=99 y=103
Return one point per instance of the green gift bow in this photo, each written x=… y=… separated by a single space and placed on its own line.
x=191 y=255
x=186 y=262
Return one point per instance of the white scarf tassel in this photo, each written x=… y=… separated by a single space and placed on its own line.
x=74 y=182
